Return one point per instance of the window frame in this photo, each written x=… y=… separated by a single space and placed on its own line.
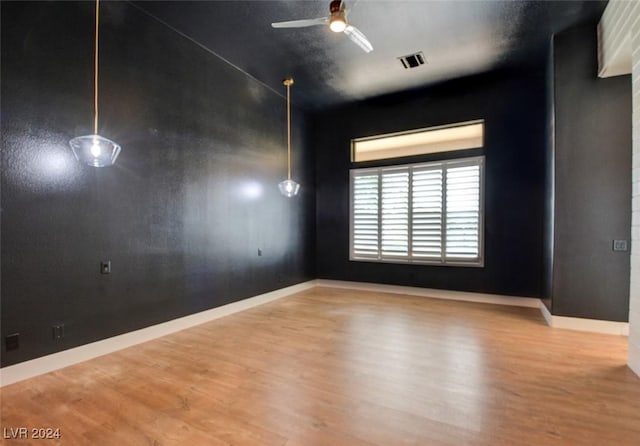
x=445 y=164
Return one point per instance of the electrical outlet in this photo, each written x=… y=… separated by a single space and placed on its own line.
x=105 y=267
x=57 y=331
x=620 y=245
x=12 y=341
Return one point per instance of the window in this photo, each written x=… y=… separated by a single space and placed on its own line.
x=465 y=135
x=424 y=213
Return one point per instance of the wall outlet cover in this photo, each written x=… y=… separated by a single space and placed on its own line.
x=58 y=331
x=105 y=267
x=620 y=245
x=12 y=341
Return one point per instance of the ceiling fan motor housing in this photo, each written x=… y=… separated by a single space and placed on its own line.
x=337 y=19
x=336 y=6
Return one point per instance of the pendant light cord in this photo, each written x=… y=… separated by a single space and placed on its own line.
x=288 y=83
x=95 y=73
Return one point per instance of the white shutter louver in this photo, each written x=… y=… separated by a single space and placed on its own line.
x=426 y=234
x=423 y=213
x=365 y=215
x=463 y=212
x=395 y=213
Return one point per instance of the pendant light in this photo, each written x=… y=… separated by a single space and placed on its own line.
x=288 y=187
x=95 y=150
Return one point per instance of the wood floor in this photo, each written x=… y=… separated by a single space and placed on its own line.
x=337 y=367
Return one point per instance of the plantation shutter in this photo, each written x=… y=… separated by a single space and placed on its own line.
x=426 y=235
x=423 y=213
x=395 y=213
x=463 y=212
x=365 y=229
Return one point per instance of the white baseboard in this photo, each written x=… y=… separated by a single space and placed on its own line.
x=582 y=324
x=435 y=293
x=546 y=314
x=55 y=361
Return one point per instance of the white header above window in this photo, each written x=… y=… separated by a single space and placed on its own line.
x=466 y=135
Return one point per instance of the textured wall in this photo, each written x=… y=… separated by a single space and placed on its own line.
x=183 y=213
x=592 y=182
x=620 y=52
x=513 y=107
x=634 y=289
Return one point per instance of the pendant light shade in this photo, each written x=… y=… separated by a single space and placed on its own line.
x=95 y=150
x=288 y=187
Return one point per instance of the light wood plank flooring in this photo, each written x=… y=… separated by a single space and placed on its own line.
x=338 y=367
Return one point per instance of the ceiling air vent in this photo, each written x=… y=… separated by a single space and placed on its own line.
x=412 y=60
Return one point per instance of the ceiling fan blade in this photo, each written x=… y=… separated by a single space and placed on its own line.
x=358 y=38
x=301 y=23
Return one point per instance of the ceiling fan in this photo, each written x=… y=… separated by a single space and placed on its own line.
x=337 y=22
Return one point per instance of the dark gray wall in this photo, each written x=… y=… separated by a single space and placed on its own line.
x=513 y=107
x=592 y=182
x=183 y=213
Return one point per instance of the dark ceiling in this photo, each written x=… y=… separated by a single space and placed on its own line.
x=458 y=38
